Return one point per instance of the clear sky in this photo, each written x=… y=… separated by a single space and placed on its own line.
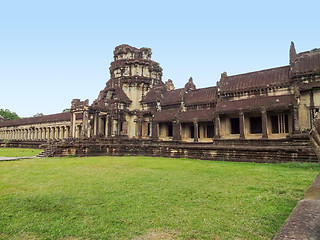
x=54 y=51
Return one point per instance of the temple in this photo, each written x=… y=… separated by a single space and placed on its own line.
x=263 y=108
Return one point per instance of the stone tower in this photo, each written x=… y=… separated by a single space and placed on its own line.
x=118 y=109
x=134 y=72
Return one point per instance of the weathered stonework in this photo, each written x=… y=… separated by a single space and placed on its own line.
x=137 y=107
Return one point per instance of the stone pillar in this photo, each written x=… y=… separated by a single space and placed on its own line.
x=195 y=131
x=47 y=133
x=264 y=123
x=28 y=134
x=95 y=124
x=35 y=135
x=155 y=130
x=296 y=124
x=241 y=124
x=85 y=119
x=106 y=127
x=52 y=133
x=217 y=127
x=61 y=132
x=67 y=131
x=139 y=122
x=176 y=128
x=73 y=125
x=101 y=129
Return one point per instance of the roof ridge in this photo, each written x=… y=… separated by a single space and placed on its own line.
x=264 y=70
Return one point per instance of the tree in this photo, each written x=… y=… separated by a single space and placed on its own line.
x=38 y=115
x=7 y=114
x=66 y=110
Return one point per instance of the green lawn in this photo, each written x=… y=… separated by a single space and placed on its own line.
x=19 y=152
x=147 y=198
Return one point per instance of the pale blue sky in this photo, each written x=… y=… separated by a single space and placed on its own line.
x=54 y=51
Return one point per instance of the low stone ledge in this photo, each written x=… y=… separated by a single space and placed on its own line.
x=303 y=223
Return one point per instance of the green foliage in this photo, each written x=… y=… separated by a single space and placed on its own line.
x=66 y=110
x=315 y=50
x=6 y=113
x=38 y=115
x=131 y=197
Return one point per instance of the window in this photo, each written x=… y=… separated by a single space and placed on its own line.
x=280 y=123
x=191 y=131
x=234 y=125
x=149 y=129
x=255 y=125
x=210 y=131
x=170 y=130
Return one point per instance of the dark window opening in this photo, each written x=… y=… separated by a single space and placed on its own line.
x=191 y=131
x=274 y=123
x=170 y=130
x=234 y=124
x=280 y=123
x=121 y=126
x=255 y=125
x=149 y=129
x=286 y=123
x=210 y=131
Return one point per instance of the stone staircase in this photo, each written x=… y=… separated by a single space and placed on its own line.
x=49 y=151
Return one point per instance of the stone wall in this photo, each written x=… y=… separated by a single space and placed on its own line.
x=272 y=151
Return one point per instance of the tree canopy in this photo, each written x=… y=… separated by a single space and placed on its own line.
x=38 y=115
x=7 y=114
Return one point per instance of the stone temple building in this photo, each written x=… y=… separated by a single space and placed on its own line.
x=265 y=109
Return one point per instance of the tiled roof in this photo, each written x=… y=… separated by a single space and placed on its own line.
x=202 y=95
x=306 y=63
x=199 y=115
x=59 y=117
x=119 y=96
x=255 y=80
x=255 y=103
x=154 y=94
x=172 y=97
x=165 y=115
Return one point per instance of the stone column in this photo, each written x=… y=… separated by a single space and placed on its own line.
x=85 y=119
x=296 y=123
x=106 y=127
x=101 y=129
x=73 y=125
x=52 y=133
x=67 y=131
x=154 y=132
x=217 y=127
x=29 y=134
x=95 y=124
x=241 y=124
x=139 y=122
x=176 y=128
x=195 y=131
x=61 y=132
x=264 y=123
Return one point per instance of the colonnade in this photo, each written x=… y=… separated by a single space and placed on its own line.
x=36 y=133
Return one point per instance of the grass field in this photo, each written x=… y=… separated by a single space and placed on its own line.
x=19 y=152
x=147 y=198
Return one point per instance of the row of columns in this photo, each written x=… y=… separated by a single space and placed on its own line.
x=177 y=127
x=45 y=133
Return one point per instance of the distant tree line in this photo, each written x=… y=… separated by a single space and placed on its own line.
x=7 y=114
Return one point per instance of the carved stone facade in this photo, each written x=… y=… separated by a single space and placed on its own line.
x=277 y=103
